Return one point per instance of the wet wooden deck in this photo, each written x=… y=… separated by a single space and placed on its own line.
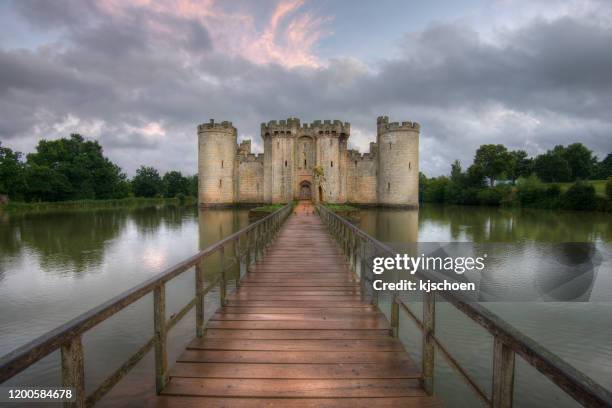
x=296 y=334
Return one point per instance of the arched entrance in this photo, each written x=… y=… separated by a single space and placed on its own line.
x=305 y=190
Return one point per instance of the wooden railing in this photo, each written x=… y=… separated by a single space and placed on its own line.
x=249 y=244
x=508 y=341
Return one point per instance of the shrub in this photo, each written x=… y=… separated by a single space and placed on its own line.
x=609 y=188
x=494 y=195
x=434 y=189
x=580 y=196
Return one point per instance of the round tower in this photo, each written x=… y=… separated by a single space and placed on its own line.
x=217 y=143
x=398 y=163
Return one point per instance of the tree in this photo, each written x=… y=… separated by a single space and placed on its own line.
x=603 y=169
x=552 y=166
x=174 y=183
x=147 y=182
x=12 y=173
x=492 y=160
x=47 y=184
x=78 y=166
x=519 y=166
x=580 y=160
x=193 y=185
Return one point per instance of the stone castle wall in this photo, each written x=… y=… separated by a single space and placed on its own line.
x=398 y=163
x=296 y=154
x=216 y=163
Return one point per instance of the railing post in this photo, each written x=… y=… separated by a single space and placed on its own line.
x=354 y=252
x=257 y=242
x=199 y=281
x=222 y=282
x=429 y=325
x=159 y=324
x=357 y=252
x=239 y=260
x=395 y=316
x=503 y=375
x=244 y=261
x=248 y=249
x=73 y=371
x=363 y=269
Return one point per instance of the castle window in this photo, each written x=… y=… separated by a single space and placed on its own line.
x=355 y=162
x=332 y=164
x=409 y=167
x=388 y=186
x=277 y=144
x=389 y=145
x=221 y=163
x=220 y=182
x=285 y=163
x=304 y=162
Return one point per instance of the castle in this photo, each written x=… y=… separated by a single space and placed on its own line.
x=309 y=161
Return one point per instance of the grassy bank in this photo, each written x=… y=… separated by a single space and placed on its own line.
x=599 y=185
x=341 y=207
x=268 y=209
x=82 y=205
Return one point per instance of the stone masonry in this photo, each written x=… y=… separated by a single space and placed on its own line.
x=309 y=161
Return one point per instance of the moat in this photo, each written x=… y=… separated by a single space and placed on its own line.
x=56 y=266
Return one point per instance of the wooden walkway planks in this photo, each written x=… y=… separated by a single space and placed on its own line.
x=296 y=334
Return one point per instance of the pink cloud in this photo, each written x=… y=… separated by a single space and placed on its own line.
x=288 y=38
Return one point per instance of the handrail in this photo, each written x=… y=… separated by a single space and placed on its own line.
x=508 y=340
x=67 y=337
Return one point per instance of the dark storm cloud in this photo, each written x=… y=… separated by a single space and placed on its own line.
x=143 y=81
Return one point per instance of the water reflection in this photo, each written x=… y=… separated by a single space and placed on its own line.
x=215 y=225
x=553 y=268
x=490 y=224
x=55 y=266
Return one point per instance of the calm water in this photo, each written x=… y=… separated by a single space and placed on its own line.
x=528 y=259
x=55 y=266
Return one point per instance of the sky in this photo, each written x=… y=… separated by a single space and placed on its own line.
x=139 y=76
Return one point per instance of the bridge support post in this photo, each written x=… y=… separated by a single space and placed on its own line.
x=503 y=375
x=73 y=371
x=238 y=260
x=395 y=316
x=248 y=250
x=159 y=324
x=243 y=259
x=363 y=270
x=222 y=281
x=199 y=282
x=429 y=325
x=357 y=252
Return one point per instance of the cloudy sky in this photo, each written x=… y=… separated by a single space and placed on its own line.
x=139 y=75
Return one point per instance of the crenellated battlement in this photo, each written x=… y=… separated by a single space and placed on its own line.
x=224 y=126
x=281 y=127
x=383 y=125
x=292 y=126
x=330 y=127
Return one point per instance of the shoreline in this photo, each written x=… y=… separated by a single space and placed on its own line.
x=86 y=205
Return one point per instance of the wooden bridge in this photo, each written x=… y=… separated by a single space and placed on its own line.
x=296 y=334
x=298 y=331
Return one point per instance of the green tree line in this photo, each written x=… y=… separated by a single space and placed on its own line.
x=560 y=178
x=76 y=169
